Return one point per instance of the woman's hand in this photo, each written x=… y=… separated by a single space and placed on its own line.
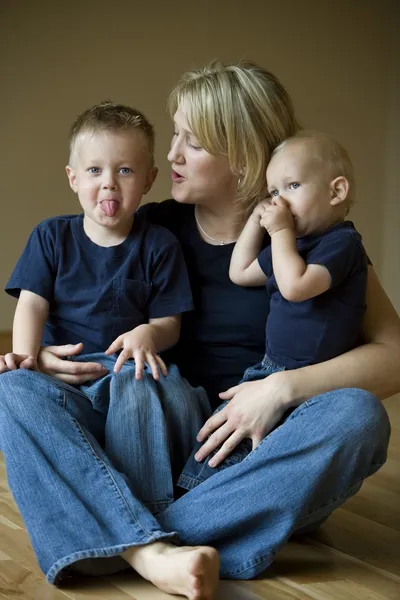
x=51 y=360
x=254 y=409
x=138 y=344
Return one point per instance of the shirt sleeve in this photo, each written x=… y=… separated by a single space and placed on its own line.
x=34 y=270
x=265 y=260
x=342 y=254
x=171 y=293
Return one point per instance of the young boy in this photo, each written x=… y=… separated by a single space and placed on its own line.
x=315 y=268
x=113 y=281
x=105 y=278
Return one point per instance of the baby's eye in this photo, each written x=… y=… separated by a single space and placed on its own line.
x=125 y=170
x=274 y=193
x=294 y=185
x=94 y=170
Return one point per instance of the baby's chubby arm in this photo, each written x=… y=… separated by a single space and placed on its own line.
x=296 y=280
x=29 y=320
x=244 y=268
x=144 y=342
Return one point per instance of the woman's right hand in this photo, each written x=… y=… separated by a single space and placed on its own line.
x=52 y=361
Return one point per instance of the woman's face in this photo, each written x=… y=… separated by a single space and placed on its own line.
x=197 y=176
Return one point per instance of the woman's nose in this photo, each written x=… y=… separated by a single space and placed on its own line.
x=175 y=154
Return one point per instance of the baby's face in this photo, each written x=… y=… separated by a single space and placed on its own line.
x=304 y=186
x=110 y=173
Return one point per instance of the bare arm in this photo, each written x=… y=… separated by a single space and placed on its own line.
x=374 y=366
x=29 y=320
x=244 y=268
x=296 y=280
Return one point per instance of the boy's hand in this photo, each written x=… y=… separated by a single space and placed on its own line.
x=277 y=216
x=12 y=362
x=139 y=345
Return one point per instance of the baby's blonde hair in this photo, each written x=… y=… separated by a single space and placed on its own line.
x=241 y=111
x=109 y=116
x=330 y=153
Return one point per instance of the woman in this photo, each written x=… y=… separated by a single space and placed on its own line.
x=331 y=434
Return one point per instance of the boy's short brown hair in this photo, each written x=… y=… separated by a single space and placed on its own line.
x=109 y=116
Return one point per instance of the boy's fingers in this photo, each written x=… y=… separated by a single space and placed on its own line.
x=153 y=364
x=139 y=364
x=121 y=360
x=162 y=365
x=10 y=361
x=117 y=344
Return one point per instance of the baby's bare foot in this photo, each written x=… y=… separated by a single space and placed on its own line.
x=188 y=571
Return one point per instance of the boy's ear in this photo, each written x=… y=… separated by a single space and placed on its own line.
x=71 y=178
x=150 y=179
x=339 y=189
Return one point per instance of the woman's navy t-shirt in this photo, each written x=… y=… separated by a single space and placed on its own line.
x=225 y=333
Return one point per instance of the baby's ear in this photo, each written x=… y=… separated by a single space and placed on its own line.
x=339 y=189
x=71 y=178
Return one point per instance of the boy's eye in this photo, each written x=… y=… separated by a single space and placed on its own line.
x=125 y=170
x=94 y=170
x=294 y=185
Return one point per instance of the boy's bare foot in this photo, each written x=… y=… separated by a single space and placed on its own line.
x=190 y=571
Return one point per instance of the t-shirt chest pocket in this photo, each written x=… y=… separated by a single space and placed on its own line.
x=131 y=299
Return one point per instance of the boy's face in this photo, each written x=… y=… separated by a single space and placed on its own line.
x=110 y=173
x=305 y=186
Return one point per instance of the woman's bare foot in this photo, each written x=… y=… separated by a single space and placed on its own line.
x=190 y=571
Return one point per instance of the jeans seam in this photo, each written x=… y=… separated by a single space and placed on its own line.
x=108 y=473
x=342 y=498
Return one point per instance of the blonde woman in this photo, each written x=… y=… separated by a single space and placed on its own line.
x=333 y=430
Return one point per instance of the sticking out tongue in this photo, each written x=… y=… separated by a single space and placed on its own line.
x=109 y=207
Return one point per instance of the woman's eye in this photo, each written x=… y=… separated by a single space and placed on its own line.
x=193 y=145
x=125 y=170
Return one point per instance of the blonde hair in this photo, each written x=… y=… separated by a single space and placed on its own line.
x=330 y=153
x=109 y=116
x=241 y=111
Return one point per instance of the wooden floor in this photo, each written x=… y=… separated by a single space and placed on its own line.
x=354 y=556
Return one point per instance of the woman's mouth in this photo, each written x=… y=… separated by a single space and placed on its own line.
x=176 y=177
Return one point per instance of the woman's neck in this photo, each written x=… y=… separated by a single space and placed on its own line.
x=219 y=225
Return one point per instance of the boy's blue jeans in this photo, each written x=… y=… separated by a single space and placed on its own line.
x=79 y=503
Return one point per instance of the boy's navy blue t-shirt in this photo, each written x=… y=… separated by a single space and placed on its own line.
x=315 y=330
x=97 y=293
x=225 y=333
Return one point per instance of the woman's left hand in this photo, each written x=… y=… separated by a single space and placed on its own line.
x=254 y=409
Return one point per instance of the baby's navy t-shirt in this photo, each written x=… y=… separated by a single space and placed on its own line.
x=96 y=293
x=315 y=330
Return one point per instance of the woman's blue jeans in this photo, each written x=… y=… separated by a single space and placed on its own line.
x=92 y=480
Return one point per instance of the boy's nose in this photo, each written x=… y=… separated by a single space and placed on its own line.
x=109 y=182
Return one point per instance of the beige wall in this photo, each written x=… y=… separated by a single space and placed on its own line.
x=391 y=225
x=57 y=58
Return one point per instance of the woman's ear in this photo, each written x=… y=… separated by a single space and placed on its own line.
x=339 y=189
x=71 y=178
